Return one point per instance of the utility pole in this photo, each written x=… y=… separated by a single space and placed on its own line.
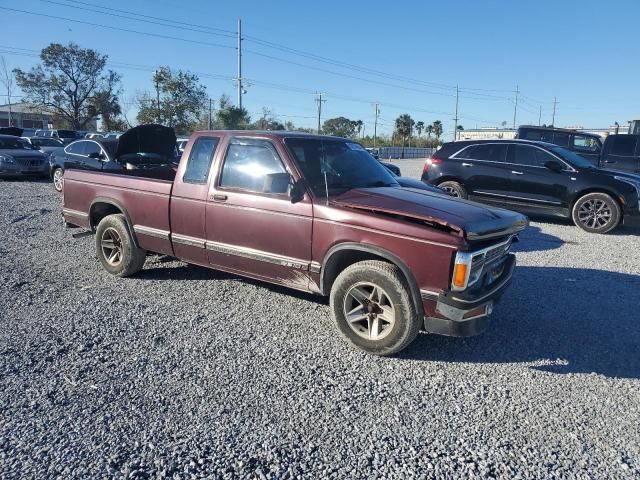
x=209 y=128
x=319 y=100
x=540 y=116
x=553 y=118
x=455 y=126
x=515 y=107
x=155 y=77
x=239 y=79
x=375 y=124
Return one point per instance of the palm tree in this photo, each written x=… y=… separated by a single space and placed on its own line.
x=419 y=127
x=429 y=131
x=437 y=129
x=404 y=124
x=358 y=124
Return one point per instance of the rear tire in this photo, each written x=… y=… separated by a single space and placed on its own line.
x=372 y=307
x=58 y=179
x=596 y=213
x=116 y=248
x=454 y=189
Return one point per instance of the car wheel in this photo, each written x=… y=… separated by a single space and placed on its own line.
x=58 y=179
x=596 y=213
x=116 y=249
x=372 y=307
x=454 y=189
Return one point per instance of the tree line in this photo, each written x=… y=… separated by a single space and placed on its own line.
x=75 y=85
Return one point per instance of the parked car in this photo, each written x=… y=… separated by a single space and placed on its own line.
x=538 y=178
x=66 y=136
x=392 y=168
x=94 y=135
x=28 y=132
x=48 y=146
x=392 y=260
x=621 y=152
x=144 y=146
x=180 y=144
x=112 y=135
x=19 y=158
x=587 y=145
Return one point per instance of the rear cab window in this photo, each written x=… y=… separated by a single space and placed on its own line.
x=623 y=145
x=584 y=143
x=200 y=158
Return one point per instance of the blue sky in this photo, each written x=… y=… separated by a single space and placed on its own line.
x=582 y=52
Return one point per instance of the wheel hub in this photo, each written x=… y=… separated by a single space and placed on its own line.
x=369 y=311
x=111 y=245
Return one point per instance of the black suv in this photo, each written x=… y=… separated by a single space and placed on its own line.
x=587 y=145
x=537 y=178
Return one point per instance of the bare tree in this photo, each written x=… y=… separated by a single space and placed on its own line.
x=6 y=77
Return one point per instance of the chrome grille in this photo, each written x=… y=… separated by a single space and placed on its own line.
x=486 y=256
x=29 y=161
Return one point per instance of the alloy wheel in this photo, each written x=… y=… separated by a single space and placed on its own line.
x=595 y=213
x=369 y=311
x=111 y=245
x=451 y=191
x=58 y=179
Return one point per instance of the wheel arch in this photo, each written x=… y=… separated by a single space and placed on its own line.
x=578 y=195
x=448 y=178
x=343 y=255
x=102 y=207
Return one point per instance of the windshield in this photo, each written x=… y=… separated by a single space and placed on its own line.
x=570 y=157
x=14 y=144
x=345 y=165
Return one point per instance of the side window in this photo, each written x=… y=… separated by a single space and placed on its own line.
x=585 y=144
x=90 y=147
x=492 y=152
x=250 y=165
x=200 y=160
x=530 y=156
x=561 y=139
x=623 y=145
x=539 y=135
x=76 y=148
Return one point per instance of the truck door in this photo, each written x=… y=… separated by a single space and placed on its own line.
x=619 y=153
x=189 y=200
x=252 y=226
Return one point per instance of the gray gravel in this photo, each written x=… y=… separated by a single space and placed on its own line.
x=183 y=372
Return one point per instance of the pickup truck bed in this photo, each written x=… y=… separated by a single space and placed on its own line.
x=257 y=205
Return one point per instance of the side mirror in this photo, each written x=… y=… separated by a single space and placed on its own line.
x=554 y=166
x=35 y=147
x=297 y=191
x=96 y=155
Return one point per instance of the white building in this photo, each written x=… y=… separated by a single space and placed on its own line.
x=487 y=133
x=24 y=115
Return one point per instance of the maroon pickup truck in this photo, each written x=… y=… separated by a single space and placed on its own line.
x=314 y=213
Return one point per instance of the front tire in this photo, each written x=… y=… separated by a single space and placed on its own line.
x=58 y=179
x=116 y=248
x=372 y=307
x=596 y=213
x=454 y=189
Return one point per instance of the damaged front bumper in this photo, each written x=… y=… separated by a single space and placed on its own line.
x=464 y=314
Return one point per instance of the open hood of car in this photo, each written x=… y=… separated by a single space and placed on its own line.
x=146 y=142
x=467 y=219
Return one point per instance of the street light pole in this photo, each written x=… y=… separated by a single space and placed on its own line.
x=156 y=79
x=239 y=79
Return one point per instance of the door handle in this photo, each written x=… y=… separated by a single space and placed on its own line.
x=465 y=164
x=517 y=173
x=218 y=197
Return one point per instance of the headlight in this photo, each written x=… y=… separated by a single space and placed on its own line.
x=7 y=159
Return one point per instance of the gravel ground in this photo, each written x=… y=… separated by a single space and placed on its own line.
x=183 y=372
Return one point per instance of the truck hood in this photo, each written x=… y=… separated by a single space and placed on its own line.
x=147 y=141
x=470 y=220
x=617 y=173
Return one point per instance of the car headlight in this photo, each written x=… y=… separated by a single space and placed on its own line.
x=7 y=159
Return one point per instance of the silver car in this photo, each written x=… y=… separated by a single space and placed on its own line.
x=46 y=145
x=18 y=158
